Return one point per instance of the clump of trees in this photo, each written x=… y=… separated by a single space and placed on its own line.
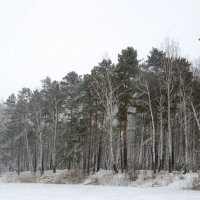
x=129 y=115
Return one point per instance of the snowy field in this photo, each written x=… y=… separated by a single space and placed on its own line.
x=21 y=191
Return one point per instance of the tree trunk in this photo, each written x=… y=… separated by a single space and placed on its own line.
x=153 y=131
x=185 y=136
x=195 y=114
x=99 y=155
x=141 y=143
x=110 y=116
x=125 y=137
x=88 y=159
x=160 y=161
x=28 y=153
x=121 y=150
x=169 y=127
x=54 y=141
x=18 y=158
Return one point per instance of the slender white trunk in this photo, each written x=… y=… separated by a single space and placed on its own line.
x=160 y=161
x=54 y=140
x=153 y=128
x=186 y=135
x=40 y=162
x=40 y=152
x=195 y=114
x=169 y=125
x=110 y=114
x=28 y=153
x=186 y=147
x=141 y=143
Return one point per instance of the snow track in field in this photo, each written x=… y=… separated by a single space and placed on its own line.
x=16 y=191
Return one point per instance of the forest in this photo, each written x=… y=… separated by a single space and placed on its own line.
x=135 y=114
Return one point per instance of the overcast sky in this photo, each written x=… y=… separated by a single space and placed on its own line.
x=40 y=38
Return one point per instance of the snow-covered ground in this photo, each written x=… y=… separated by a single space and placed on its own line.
x=104 y=185
x=143 y=178
x=22 y=191
x=138 y=178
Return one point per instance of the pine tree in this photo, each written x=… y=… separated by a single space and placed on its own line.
x=126 y=72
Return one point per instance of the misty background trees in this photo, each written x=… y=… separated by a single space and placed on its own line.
x=130 y=115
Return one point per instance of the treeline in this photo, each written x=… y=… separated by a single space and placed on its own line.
x=130 y=115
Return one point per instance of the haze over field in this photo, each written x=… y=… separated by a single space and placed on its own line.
x=51 y=38
x=80 y=192
x=99 y=93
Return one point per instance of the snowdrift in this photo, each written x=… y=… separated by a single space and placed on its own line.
x=134 y=178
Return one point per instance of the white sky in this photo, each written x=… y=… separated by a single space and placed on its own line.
x=40 y=38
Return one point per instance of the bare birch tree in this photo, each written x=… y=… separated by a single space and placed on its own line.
x=105 y=89
x=171 y=51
